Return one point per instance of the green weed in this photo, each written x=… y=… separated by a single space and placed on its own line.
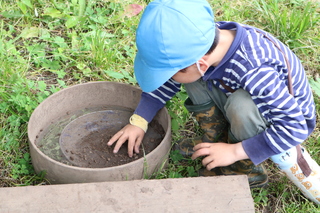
x=179 y=167
x=288 y=20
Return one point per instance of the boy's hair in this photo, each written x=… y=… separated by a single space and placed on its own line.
x=215 y=41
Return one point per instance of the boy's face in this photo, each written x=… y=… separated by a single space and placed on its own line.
x=188 y=75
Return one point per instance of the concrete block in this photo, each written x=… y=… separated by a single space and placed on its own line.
x=200 y=194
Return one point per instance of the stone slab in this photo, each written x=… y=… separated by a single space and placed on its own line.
x=200 y=194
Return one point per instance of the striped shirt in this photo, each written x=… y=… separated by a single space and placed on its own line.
x=255 y=64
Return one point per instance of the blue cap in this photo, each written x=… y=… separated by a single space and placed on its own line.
x=172 y=35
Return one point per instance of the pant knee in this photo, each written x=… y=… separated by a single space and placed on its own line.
x=244 y=116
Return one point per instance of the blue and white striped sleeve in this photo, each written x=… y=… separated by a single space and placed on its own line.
x=288 y=126
x=151 y=102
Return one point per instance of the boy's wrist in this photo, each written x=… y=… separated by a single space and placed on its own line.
x=139 y=121
x=239 y=152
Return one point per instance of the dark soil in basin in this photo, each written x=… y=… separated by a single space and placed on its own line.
x=92 y=150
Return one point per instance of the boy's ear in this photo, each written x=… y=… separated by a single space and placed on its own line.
x=204 y=66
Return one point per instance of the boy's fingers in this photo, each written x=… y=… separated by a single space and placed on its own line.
x=207 y=160
x=134 y=146
x=211 y=165
x=130 y=147
x=137 y=145
x=115 y=138
x=201 y=145
x=200 y=152
x=119 y=143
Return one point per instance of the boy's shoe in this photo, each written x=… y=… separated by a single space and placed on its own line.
x=309 y=186
x=185 y=146
x=257 y=175
x=211 y=121
x=215 y=128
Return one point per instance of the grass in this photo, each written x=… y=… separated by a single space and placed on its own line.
x=48 y=45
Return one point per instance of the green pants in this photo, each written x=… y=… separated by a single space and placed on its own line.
x=239 y=109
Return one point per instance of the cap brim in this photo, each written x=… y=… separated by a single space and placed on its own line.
x=150 y=78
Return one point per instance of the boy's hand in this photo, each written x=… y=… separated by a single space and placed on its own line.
x=219 y=154
x=130 y=133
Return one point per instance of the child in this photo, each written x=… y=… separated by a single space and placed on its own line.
x=240 y=81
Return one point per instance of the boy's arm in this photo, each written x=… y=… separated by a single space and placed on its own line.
x=149 y=105
x=288 y=125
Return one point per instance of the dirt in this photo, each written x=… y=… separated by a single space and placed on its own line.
x=92 y=150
